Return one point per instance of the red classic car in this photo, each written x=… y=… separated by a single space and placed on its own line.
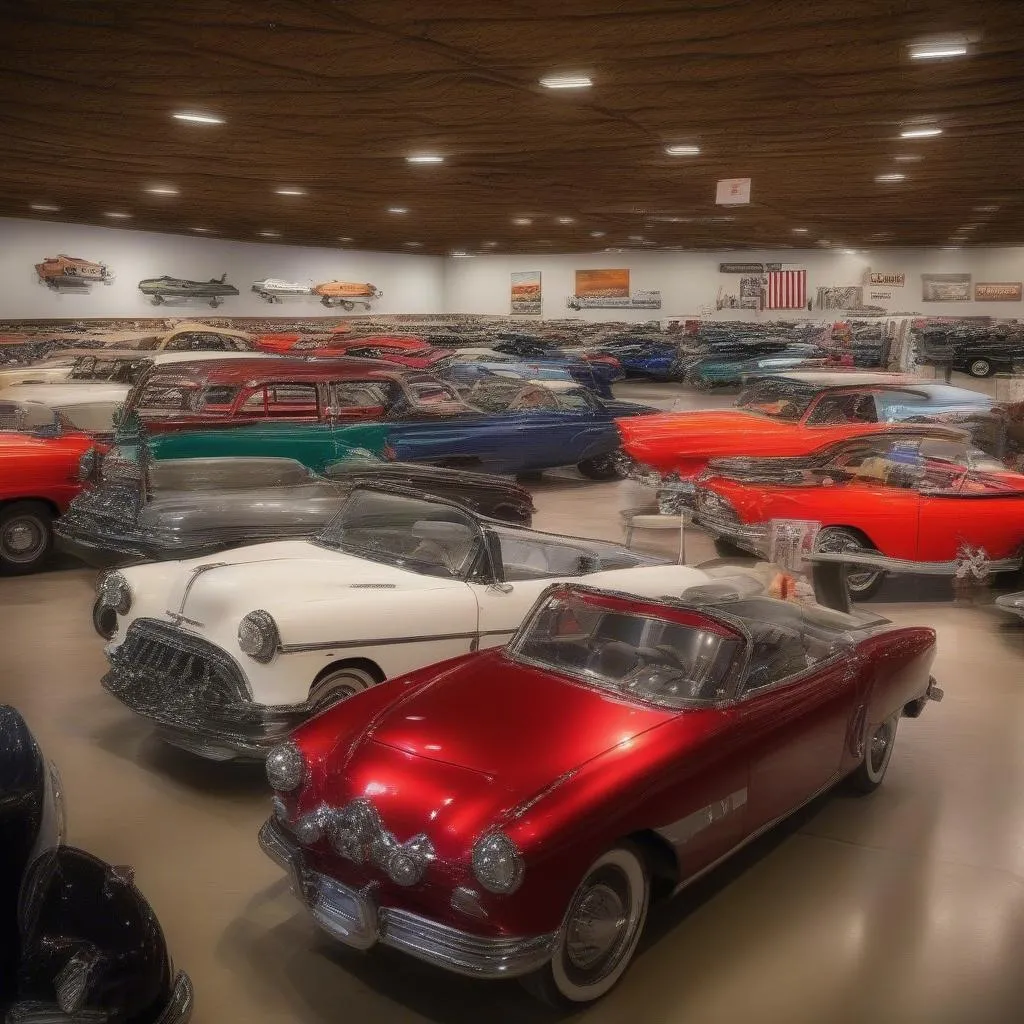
x=792 y=414
x=907 y=499
x=513 y=812
x=411 y=352
x=40 y=456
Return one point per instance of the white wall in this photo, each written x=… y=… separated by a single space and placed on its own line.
x=411 y=284
x=689 y=281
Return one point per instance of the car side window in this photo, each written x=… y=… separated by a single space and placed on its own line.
x=575 y=401
x=358 y=398
x=290 y=401
x=777 y=652
x=833 y=410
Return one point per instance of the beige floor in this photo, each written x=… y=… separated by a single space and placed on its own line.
x=904 y=907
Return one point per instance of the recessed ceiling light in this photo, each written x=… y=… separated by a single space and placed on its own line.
x=44 y=208
x=162 y=190
x=345 y=238
x=977 y=209
x=920 y=133
x=398 y=209
x=636 y=238
x=201 y=231
x=566 y=220
x=117 y=215
x=799 y=231
x=461 y=255
x=522 y=221
x=970 y=227
x=289 y=191
x=597 y=234
x=490 y=245
x=850 y=252
x=567 y=81
x=890 y=177
x=908 y=158
x=270 y=234
x=683 y=150
x=936 y=51
x=195 y=118
x=414 y=245
x=425 y=158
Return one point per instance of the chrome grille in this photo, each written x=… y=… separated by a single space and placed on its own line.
x=712 y=506
x=120 y=501
x=169 y=675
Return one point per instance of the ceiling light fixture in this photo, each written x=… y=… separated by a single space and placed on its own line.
x=345 y=238
x=850 y=252
x=890 y=177
x=636 y=238
x=566 y=220
x=522 y=221
x=936 y=51
x=461 y=255
x=195 y=118
x=414 y=245
x=597 y=234
x=425 y=158
x=162 y=190
x=201 y=231
x=490 y=245
x=799 y=231
x=289 y=191
x=977 y=209
x=951 y=248
x=270 y=234
x=683 y=150
x=44 y=208
x=117 y=215
x=908 y=158
x=920 y=133
x=567 y=81
x=398 y=209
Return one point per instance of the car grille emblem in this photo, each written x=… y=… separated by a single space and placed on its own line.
x=357 y=833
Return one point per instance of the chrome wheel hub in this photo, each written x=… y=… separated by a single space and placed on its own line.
x=596 y=927
x=22 y=539
x=880 y=746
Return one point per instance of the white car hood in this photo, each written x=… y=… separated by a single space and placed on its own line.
x=280 y=575
x=66 y=395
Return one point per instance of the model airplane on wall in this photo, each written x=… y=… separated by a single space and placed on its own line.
x=346 y=293
x=161 y=288
x=56 y=271
x=272 y=288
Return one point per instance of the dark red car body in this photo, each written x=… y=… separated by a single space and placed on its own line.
x=567 y=771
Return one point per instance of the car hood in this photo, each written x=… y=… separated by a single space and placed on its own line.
x=279 y=575
x=496 y=734
x=687 y=425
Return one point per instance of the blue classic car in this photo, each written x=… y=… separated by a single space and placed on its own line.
x=644 y=358
x=317 y=411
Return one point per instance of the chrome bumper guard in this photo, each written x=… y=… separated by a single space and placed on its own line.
x=352 y=917
x=750 y=538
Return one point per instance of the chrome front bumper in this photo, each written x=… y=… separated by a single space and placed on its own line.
x=960 y=567
x=353 y=918
x=177 y=1011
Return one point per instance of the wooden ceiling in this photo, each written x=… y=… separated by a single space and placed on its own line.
x=807 y=99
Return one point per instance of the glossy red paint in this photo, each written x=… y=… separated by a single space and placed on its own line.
x=900 y=522
x=566 y=771
x=684 y=442
x=42 y=468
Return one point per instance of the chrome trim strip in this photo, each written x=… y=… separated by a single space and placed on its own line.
x=330 y=645
x=179 y=1007
x=907 y=565
x=757 y=833
x=681 y=832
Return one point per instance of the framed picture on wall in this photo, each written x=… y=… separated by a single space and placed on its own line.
x=527 y=296
x=946 y=288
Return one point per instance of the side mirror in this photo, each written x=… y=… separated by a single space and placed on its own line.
x=501 y=588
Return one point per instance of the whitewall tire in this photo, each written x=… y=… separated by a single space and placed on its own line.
x=600 y=931
x=339 y=685
x=877 y=752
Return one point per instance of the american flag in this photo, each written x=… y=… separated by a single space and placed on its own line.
x=785 y=289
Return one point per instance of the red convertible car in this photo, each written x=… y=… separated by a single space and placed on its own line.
x=910 y=499
x=40 y=455
x=513 y=813
x=792 y=414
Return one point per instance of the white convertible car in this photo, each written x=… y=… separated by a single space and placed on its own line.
x=227 y=654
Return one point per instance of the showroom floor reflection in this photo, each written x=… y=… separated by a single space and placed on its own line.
x=905 y=906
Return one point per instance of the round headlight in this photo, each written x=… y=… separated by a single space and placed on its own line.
x=258 y=636
x=115 y=593
x=286 y=767
x=497 y=863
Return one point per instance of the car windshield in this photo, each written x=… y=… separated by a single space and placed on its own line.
x=423 y=536
x=671 y=657
x=776 y=399
x=120 y=370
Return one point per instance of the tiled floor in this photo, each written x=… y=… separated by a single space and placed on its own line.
x=906 y=907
